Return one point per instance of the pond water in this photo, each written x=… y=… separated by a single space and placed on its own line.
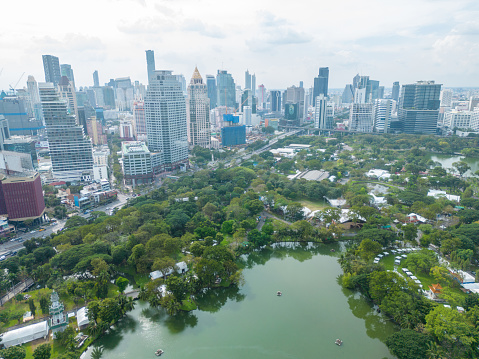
x=252 y=322
x=447 y=160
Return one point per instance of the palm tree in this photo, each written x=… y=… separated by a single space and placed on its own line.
x=97 y=352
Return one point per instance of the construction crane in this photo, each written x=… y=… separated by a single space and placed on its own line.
x=14 y=87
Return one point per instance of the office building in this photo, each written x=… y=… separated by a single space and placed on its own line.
x=361 y=117
x=382 y=115
x=348 y=94
x=232 y=133
x=21 y=144
x=247 y=116
x=126 y=130
x=66 y=70
x=96 y=132
x=275 y=100
x=226 y=89
x=70 y=150
x=247 y=80
x=137 y=165
x=395 y=91
x=212 y=91
x=262 y=97
x=166 y=127
x=4 y=131
x=457 y=119
x=51 y=66
x=140 y=119
x=21 y=197
x=253 y=84
x=293 y=107
x=446 y=98
x=36 y=106
x=14 y=109
x=419 y=107
x=96 y=79
x=323 y=113
x=150 y=63
x=474 y=123
x=381 y=92
x=67 y=92
x=321 y=83
x=198 y=112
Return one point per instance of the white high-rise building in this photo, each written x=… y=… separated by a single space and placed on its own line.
x=474 y=123
x=382 y=115
x=446 y=98
x=198 y=112
x=166 y=126
x=67 y=92
x=320 y=112
x=361 y=117
x=70 y=150
x=247 y=115
x=457 y=119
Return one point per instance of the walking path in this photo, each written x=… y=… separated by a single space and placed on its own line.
x=20 y=287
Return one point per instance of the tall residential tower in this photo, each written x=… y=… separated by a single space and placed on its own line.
x=198 y=111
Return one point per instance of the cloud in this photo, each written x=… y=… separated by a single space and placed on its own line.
x=203 y=29
x=71 y=42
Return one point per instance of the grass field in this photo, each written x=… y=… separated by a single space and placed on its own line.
x=313 y=205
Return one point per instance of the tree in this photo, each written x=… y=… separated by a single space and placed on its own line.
x=43 y=351
x=66 y=337
x=410 y=232
x=368 y=249
x=16 y=352
x=44 y=304
x=164 y=265
x=408 y=344
x=461 y=167
x=31 y=304
x=178 y=287
x=121 y=283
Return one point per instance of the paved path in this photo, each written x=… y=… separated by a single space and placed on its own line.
x=17 y=289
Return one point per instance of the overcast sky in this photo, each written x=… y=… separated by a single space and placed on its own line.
x=283 y=42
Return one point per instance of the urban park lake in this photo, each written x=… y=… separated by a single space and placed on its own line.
x=252 y=322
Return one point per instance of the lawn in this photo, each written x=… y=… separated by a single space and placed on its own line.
x=313 y=205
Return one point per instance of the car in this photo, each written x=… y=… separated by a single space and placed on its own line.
x=41 y=229
x=32 y=232
x=2 y=258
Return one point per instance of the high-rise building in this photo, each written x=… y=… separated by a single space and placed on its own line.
x=67 y=92
x=212 y=92
x=51 y=66
x=66 y=70
x=446 y=98
x=21 y=197
x=348 y=94
x=226 y=89
x=457 y=119
x=198 y=112
x=247 y=116
x=247 y=80
x=32 y=89
x=182 y=81
x=382 y=115
x=14 y=109
x=361 y=117
x=70 y=150
x=419 y=107
x=137 y=164
x=150 y=63
x=140 y=119
x=96 y=79
x=381 y=92
x=262 y=96
x=395 y=91
x=321 y=83
x=293 y=107
x=253 y=84
x=275 y=99
x=474 y=123
x=323 y=113
x=95 y=131
x=166 y=127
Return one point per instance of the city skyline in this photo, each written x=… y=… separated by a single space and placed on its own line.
x=435 y=41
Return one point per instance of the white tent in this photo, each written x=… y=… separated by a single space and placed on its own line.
x=82 y=317
x=25 y=334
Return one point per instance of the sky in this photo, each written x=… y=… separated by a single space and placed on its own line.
x=282 y=42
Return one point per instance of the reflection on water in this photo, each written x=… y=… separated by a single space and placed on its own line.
x=254 y=323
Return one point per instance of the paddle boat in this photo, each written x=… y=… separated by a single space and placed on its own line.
x=338 y=342
x=159 y=352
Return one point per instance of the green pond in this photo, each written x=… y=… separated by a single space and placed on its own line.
x=447 y=160
x=253 y=322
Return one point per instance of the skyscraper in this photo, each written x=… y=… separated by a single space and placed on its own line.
x=198 y=112
x=32 y=89
x=150 y=63
x=382 y=115
x=51 y=66
x=323 y=113
x=67 y=92
x=140 y=121
x=253 y=84
x=275 y=99
x=321 y=83
x=361 y=117
x=70 y=150
x=226 y=89
x=211 y=85
x=166 y=126
x=395 y=91
x=247 y=80
x=419 y=107
x=96 y=80
x=66 y=70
